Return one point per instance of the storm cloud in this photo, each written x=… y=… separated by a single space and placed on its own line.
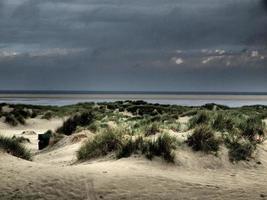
x=133 y=45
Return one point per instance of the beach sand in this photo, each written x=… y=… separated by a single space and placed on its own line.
x=55 y=173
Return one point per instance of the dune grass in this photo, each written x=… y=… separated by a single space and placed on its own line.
x=118 y=141
x=252 y=127
x=107 y=141
x=162 y=146
x=204 y=139
x=241 y=150
x=202 y=117
x=140 y=123
x=70 y=125
x=151 y=129
x=14 y=147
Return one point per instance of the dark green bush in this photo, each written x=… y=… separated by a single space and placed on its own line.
x=48 y=115
x=21 y=112
x=20 y=119
x=130 y=146
x=203 y=139
x=34 y=114
x=11 y=120
x=70 y=125
x=17 y=116
x=163 y=146
x=14 y=147
x=240 y=150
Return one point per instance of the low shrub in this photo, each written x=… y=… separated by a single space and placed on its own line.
x=20 y=119
x=115 y=140
x=103 y=143
x=22 y=112
x=222 y=123
x=130 y=146
x=48 y=115
x=94 y=127
x=70 y=125
x=16 y=117
x=240 y=150
x=203 y=139
x=14 y=147
x=202 y=117
x=252 y=127
x=163 y=146
x=152 y=129
x=11 y=120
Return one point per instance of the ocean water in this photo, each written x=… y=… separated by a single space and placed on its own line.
x=231 y=100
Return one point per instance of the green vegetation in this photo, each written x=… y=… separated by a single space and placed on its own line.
x=124 y=128
x=202 y=117
x=241 y=150
x=203 y=139
x=14 y=147
x=162 y=146
x=222 y=122
x=70 y=125
x=108 y=141
x=152 y=129
x=251 y=128
x=116 y=140
x=47 y=115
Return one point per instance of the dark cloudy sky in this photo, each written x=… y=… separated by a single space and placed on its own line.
x=162 y=45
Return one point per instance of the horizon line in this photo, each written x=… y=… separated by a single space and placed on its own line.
x=129 y=92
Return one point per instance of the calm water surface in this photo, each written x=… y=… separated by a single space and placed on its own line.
x=186 y=100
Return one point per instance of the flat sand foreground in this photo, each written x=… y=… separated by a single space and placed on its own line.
x=55 y=174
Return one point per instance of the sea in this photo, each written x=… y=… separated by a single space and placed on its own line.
x=61 y=98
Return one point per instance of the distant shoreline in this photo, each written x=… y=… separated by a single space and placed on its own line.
x=172 y=99
x=81 y=92
x=136 y=96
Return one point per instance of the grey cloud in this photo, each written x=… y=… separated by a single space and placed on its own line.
x=129 y=44
x=168 y=23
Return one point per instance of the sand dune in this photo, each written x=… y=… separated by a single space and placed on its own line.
x=55 y=174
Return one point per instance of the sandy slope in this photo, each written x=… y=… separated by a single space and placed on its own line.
x=54 y=175
x=37 y=125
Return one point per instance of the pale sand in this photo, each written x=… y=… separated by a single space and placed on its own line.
x=54 y=174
